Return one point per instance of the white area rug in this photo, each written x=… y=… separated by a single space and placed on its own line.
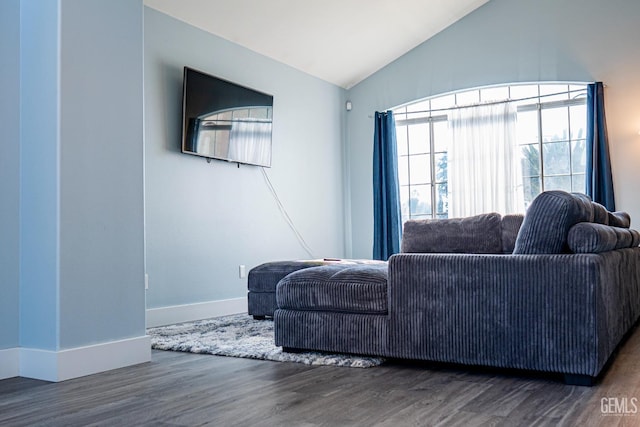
x=239 y=335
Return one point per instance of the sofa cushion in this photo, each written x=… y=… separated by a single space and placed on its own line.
x=619 y=219
x=510 y=226
x=548 y=220
x=264 y=277
x=341 y=288
x=586 y=237
x=600 y=213
x=480 y=234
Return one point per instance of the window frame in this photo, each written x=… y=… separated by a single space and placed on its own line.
x=431 y=116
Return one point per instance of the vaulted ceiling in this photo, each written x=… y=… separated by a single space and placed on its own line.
x=340 y=41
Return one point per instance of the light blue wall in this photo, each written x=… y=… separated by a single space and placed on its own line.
x=9 y=171
x=508 y=41
x=39 y=172
x=101 y=172
x=81 y=171
x=204 y=220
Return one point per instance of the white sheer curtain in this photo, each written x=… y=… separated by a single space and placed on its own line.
x=483 y=162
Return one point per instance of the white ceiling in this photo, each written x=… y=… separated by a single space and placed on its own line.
x=340 y=41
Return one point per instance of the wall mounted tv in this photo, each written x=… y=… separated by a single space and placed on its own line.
x=225 y=121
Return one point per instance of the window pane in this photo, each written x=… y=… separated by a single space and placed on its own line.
x=530 y=160
x=401 y=139
x=441 y=136
x=422 y=216
x=559 y=89
x=403 y=170
x=494 y=94
x=419 y=109
x=578 y=117
x=442 y=102
x=578 y=156
x=418 y=106
x=555 y=124
x=527 y=127
x=419 y=138
x=467 y=98
x=404 y=201
x=556 y=158
x=578 y=183
x=531 y=189
x=420 y=200
x=441 y=167
x=562 y=182
x=524 y=91
x=581 y=88
x=225 y=115
x=420 y=169
x=400 y=113
x=240 y=114
x=442 y=199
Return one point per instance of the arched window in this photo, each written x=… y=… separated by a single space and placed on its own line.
x=548 y=140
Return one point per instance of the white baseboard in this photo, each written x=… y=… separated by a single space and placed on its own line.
x=77 y=362
x=9 y=363
x=189 y=312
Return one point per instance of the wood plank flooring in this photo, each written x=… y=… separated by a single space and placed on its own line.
x=181 y=389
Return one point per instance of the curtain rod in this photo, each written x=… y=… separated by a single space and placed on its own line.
x=457 y=107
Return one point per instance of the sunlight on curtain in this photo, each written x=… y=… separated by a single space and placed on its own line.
x=483 y=163
x=250 y=142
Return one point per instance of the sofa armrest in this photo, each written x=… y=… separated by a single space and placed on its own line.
x=560 y=313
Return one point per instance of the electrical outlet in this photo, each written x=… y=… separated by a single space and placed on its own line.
x=242 y=271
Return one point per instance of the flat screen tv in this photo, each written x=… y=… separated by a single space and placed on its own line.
x=225 y=121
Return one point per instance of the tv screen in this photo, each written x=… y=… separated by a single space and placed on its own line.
x=225 y=121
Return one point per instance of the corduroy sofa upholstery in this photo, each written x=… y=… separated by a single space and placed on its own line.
x=560 y=301
x=263 y=279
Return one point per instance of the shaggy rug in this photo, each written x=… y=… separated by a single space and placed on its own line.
x=239 y=335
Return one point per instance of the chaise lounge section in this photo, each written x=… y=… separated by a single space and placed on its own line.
x=561 y=301
x=263 y=279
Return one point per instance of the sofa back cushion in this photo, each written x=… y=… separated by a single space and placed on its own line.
x=600 y=213
x=481 y=234
x=619 y=219
x=548 y=220
x=510 y=226
x=587 y=237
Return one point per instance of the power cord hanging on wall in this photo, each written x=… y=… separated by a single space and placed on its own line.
x=286 y=216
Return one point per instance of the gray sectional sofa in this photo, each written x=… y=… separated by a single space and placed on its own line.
x=556 y=291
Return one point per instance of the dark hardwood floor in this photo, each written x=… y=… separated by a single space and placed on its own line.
x=181 y=389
